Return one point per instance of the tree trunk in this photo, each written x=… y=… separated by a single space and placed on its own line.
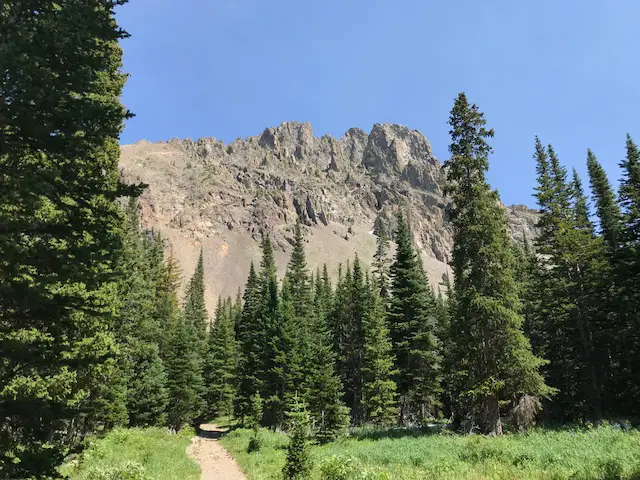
x=491 y=423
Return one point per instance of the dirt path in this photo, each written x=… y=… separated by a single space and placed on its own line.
x=215 y=462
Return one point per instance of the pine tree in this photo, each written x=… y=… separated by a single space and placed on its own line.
x=60 y=225
x=352 y=349
x=147 y=395
x=248 y=329
x=494 y=360
x=298 y=463
x=628 y=274
x=412 y=326
x=220 y=370
x=381 y=260
x=606 y=206
x=138 y=332
x=195 y=310
x=184 y=376
x=378 y=386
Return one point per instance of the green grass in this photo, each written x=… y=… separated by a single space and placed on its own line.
x=603 y=453
x=136 y=454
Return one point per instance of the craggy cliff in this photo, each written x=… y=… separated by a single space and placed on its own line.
x=221 y=197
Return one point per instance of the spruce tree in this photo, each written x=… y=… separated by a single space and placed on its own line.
x=607 y=207
x=298 y=462
x=411 y=318
x=220 y=367
x=493 y=358
x=138 y=330
x=60 y=225
x=352 y=349
x=249 y=346
x=184 y=376
x=147 y=395
x=195 y=310
x=381 y=260
x=628 y=273
x=378 y=387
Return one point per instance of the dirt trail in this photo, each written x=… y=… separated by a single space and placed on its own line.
x=215 y=462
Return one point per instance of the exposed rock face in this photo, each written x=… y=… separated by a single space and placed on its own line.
x=221 y=198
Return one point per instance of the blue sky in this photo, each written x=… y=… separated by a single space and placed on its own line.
x=566 y=70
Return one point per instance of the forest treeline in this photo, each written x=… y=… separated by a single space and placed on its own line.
x=95 y=333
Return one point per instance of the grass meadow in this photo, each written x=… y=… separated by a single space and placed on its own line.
x=603 y=453
x=135 y=454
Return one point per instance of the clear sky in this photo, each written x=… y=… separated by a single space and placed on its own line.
x=566 y=70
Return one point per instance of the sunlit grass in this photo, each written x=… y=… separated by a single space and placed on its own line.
x=140 y=454
x=605 y=453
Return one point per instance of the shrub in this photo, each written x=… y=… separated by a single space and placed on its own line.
x=126 y=471
x=524 y=413
x=298 y=464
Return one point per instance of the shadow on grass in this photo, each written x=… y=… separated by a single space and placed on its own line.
x=371 y=433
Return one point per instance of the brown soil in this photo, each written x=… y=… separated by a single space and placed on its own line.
x=215 y=462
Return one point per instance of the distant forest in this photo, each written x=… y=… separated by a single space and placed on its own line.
x=94 y=332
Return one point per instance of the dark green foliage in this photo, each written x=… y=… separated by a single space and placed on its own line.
x=412 y=323
x=147 y=395
x=60 y=226
x=492 y=357
x=312 y=359
x=628 y=276
x=248 y=329
x=381 y=262
x=221 y=362
x=567 y=323
x=195 y=310
x=378 y=387
x=298 y=463
x=183 y=362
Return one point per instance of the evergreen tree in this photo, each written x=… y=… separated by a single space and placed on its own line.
x=138 y=331
x=628 y=274
x=60 y=225
x=184 y=376
x=195 y=310
x=411 y=320
x=298 y=463
x=147 y=395
x=352 y=348
x=249 y=346
x=381 y=259
x=220 y=371
x=606 y=206
x=493 y=358
x=378 y=386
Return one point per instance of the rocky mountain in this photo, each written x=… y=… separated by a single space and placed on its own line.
x=222 y=197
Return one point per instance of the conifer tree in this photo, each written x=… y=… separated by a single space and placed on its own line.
x=493 y=358
x=412 y=326
x=378 y=386
x=629 y=277
x=220 y=371
x=147 y=394
x=249 y=346
x=298 y=463
x=381 y=260
x=606 y=206
x=143 y=373
x=60 y=225
x=195 y=310
x=184 y=376
x=352 y=349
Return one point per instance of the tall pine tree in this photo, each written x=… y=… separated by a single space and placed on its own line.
x=411 y=318
x=60 y=119
x=493 y=358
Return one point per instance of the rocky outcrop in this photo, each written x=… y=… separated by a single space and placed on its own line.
x=223 y=197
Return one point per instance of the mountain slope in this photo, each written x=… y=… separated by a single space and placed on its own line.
x=220 y=197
